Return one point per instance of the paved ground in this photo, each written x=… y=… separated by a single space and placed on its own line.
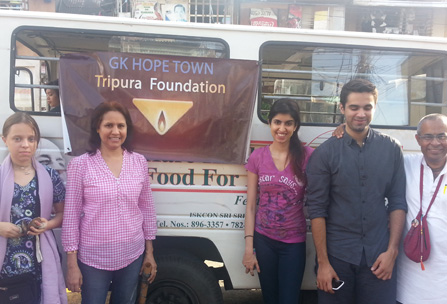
x=255 y=297
x=230 y=297
x=242 y=296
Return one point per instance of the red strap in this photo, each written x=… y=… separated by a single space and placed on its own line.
x=421 y=187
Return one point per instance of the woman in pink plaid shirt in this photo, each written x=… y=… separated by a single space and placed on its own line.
x=109 y=217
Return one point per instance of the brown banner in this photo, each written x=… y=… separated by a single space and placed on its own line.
x=183 y=108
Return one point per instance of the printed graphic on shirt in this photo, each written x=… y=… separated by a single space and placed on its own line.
x=276 y=204
x=20 y=256
x=286 y=181
x=280 y=206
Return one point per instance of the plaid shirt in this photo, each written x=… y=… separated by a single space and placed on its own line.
x=108 y=219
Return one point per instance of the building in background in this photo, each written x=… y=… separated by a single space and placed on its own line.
x=14 y=5
x=411 y=17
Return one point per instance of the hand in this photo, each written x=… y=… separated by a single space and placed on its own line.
x=74 y=278
x=149 y=258
x=325 y=275
x=38 y=226
x=9 y=230
x=383 y=266
x=339 y=131
x=250 y=262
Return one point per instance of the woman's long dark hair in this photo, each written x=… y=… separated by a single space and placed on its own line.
x=296 y=149
x=95 y=122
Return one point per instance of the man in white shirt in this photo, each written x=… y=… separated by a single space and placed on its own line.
x=415 y=285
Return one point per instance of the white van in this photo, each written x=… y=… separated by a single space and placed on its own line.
x=201 y=225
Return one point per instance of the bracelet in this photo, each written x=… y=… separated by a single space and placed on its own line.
x=72 y=252
x=249 y=235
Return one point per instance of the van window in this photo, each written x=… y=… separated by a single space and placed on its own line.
x=24 y=96
x=411 y=83
x=37 y=51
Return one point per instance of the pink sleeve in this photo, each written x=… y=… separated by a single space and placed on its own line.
x=73 y=205
x=252 y=164
x=146 y=204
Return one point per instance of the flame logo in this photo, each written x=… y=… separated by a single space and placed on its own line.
x=162 y=122
x=162 y=114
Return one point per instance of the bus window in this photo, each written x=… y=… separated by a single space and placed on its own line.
x=411 y=83
x=24 y=97
x=39 y=50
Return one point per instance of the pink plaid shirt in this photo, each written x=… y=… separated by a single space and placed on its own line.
x=108 y=219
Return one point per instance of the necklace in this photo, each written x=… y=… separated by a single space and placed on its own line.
x=26 y=170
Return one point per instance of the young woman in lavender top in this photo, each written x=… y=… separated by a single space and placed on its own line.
x=275 y=231
x=109 y=219
x=30 y=193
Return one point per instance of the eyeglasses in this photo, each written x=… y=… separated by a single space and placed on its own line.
x=430 y=137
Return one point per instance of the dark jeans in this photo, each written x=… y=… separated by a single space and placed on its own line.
x=96 y=283
x=361 y=285
x=282 y=269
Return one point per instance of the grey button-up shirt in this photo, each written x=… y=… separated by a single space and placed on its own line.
x=355 y=188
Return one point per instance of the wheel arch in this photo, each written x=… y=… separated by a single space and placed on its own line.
x=197 y=247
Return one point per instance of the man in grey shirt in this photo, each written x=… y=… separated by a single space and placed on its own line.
x=356 y=202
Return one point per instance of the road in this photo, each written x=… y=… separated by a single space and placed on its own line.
x=255 y=297
x=230 y=297
x=242 y=296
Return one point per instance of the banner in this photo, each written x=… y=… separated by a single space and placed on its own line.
x=295 y=16
x=263 y=17
x=176 y=11
x=150 y=10
x=183 y=108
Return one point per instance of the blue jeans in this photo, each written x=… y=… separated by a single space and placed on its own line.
x=282 y=269
x=361 y=285
x=96 y=283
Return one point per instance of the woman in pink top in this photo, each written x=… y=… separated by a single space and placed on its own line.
x=277 y=229
x=109 y=218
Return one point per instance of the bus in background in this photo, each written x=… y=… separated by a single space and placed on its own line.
x=201 y=224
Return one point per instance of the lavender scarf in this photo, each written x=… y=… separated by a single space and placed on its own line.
x=53 y=285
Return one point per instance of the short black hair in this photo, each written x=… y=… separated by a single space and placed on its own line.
x=358 y=85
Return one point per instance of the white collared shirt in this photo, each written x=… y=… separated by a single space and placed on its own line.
x=413 y=284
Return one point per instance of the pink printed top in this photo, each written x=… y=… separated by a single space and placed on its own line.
x=107 y=219
x=280 y=213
